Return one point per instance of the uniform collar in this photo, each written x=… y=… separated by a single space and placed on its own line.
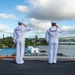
x=53 y=29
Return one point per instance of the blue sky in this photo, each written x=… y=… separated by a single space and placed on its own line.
x=37 y=14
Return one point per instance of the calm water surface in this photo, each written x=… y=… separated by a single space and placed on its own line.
x=68 y=50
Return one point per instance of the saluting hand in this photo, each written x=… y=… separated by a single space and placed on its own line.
x=24 y=25
x=57 y=26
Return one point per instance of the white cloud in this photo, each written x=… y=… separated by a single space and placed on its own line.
x=69 y=31
x=52 y=9
x=8 y=16
x=5 y=29
x=42 y=11
x=22 y=9
x=69 y=28
x=38 y=26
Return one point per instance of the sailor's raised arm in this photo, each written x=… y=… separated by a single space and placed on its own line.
x=60 y=30
x=26 y=28
x=24 y=24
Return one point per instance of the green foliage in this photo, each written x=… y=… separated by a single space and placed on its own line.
x=10 y=45
x=28 y=42
x=0 y=45
x=8 y=42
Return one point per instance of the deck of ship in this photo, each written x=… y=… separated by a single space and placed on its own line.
x=37 y=67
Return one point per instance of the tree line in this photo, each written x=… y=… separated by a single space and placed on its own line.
x=8 y=42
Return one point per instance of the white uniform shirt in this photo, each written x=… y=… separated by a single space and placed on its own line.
x=52 y=34
x=19 y=32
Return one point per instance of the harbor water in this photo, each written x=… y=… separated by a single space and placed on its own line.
x=66 y=50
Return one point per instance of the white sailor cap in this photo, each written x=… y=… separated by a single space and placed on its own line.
x=53 y=23
x=19 y=21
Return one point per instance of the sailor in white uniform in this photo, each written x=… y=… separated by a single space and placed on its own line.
x=19 y=40
x=51 y=37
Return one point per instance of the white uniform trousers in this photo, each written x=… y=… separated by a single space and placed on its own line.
x=20 y=44
x=52 y=57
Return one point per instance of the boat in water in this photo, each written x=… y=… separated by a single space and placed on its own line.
x=33 y=50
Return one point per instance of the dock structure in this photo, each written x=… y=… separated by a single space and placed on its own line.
x=7 y=57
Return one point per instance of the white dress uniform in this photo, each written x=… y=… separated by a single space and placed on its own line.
x=19 y=40
x=51 y=37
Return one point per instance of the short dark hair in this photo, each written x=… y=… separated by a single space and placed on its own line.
x=19 y=23
x=53 y=23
